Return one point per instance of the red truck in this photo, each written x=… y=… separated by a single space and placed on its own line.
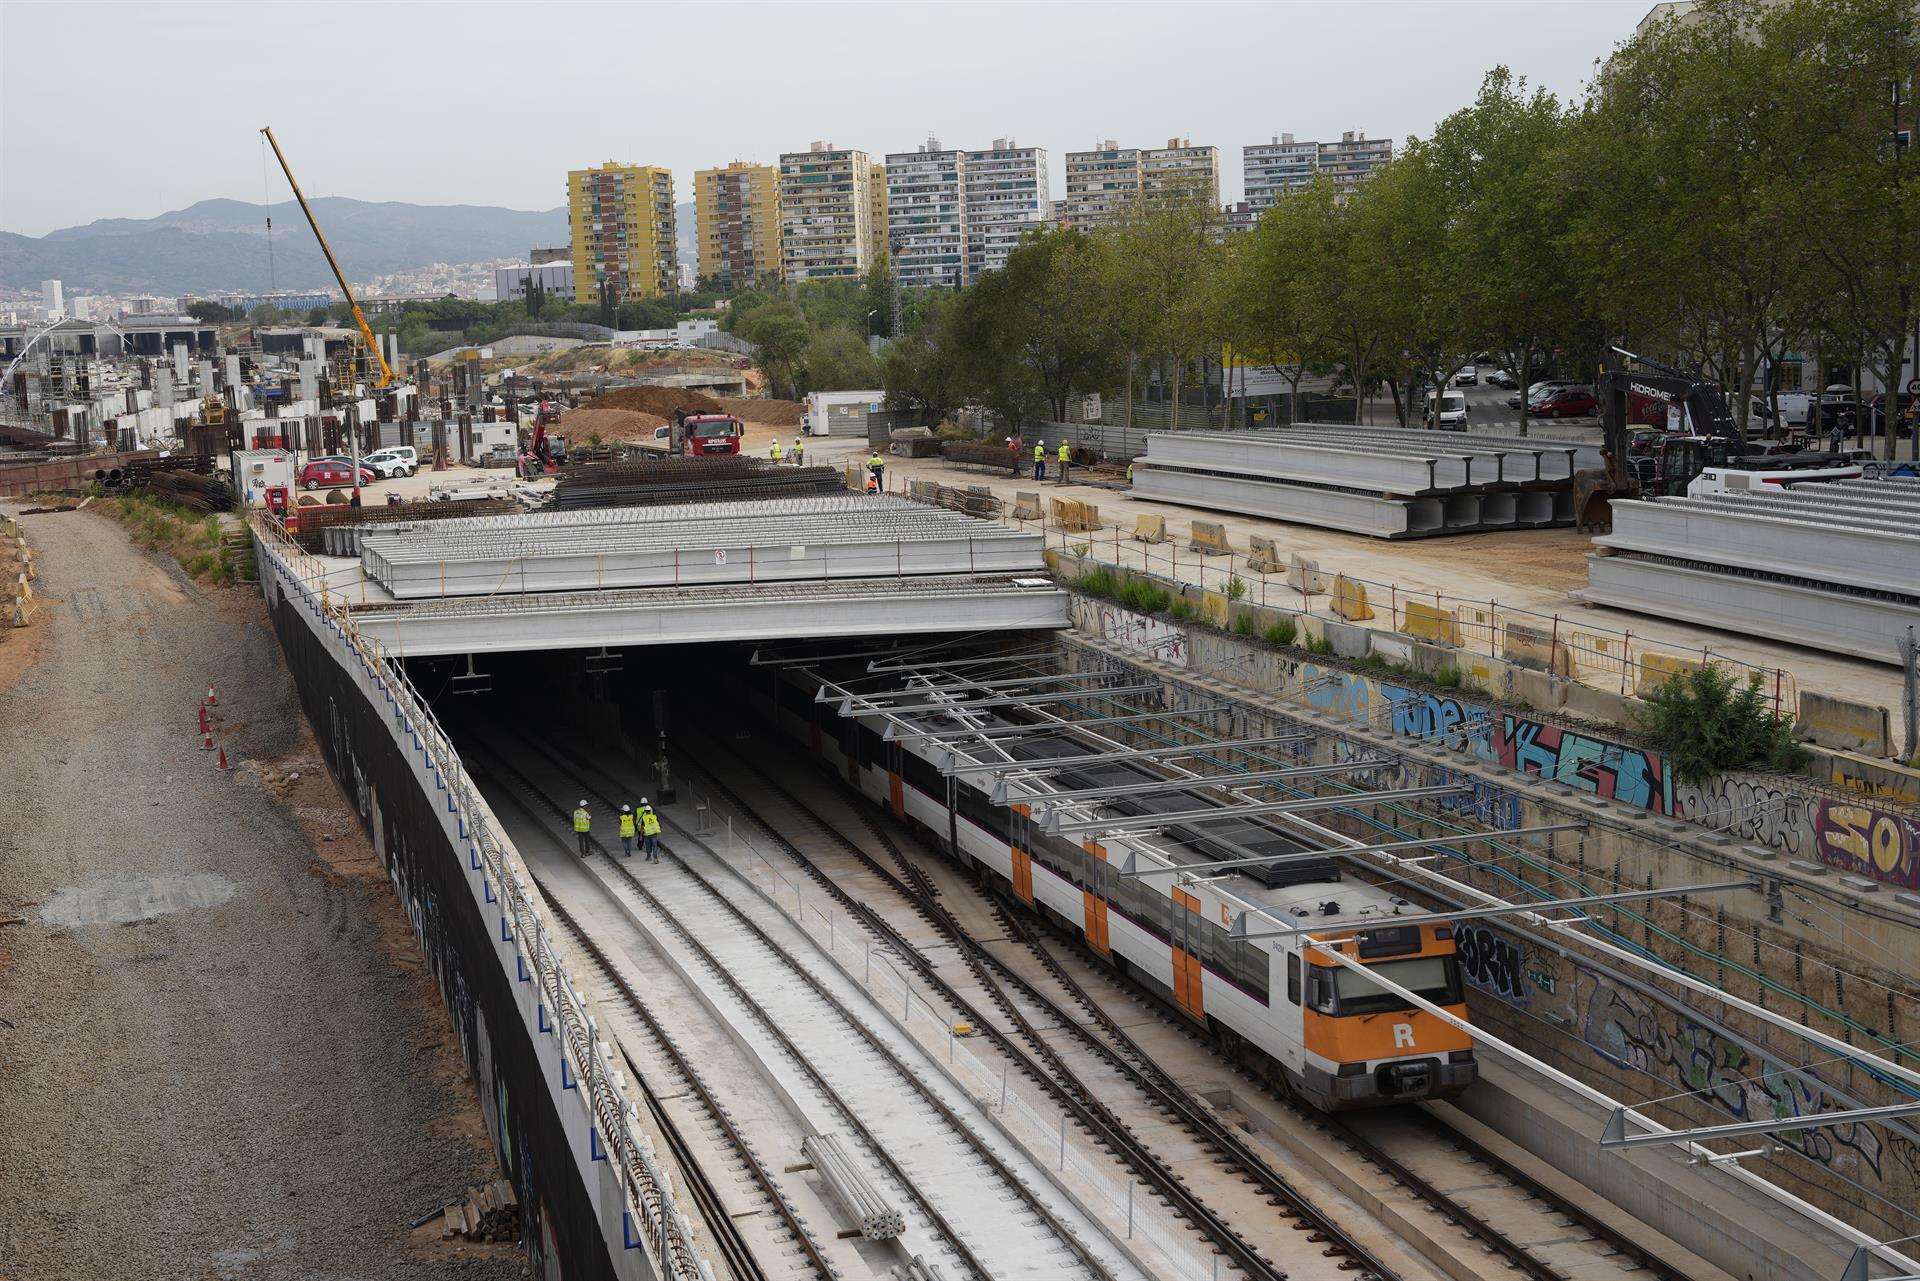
x=701 y=435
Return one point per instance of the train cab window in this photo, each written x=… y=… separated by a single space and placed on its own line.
x=1293 y=977
x=1435 y=978
x=1320 y=990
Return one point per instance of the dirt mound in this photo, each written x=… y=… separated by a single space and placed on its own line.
x=656 y=400
x=609 y=424
x=772 y=413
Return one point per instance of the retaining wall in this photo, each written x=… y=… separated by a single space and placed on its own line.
x=522 y=1036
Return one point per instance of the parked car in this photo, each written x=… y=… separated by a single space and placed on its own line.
x=1795 y=407
x=1565 y=402
x=1501 y=378
x=1453 y=411
x=395 y=460
x=328 y=473
x=1906 y=407
x=1467 y=376
x=1536 y=391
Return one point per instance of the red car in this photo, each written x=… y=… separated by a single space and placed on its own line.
x=1565 y=402
x=331 y=474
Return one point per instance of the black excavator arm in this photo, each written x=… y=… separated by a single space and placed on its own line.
x=1624 y=374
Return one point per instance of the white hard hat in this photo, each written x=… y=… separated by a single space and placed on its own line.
x=643 y=800
x=583 y=802
x=626 y=809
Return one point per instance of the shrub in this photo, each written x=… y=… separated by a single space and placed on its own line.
x=1079 y=550
x=1708 y=723
x=1282 y=632
x=1144 y=598
x=1236 y=587
x=1098 y=582
x=1182 y=609
x=1243 y=625
x=1448 y=678
x=1319 y=645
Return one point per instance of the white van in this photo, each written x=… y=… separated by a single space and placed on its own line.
x=395 y=460
x=1453 y=411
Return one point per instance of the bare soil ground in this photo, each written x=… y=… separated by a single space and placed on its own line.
x=221 y=1056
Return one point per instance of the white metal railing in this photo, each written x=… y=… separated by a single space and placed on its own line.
x=658 y=1227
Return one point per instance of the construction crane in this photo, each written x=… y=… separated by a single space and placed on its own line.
x=359 y=318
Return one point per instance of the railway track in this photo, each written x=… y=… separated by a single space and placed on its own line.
x=1026 y=1009
x=673 y=1073
x=1381 y=1140
x=897 y=1106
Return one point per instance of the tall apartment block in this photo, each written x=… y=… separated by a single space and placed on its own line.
x=1007 y=196
x=1353 y=159
x=1180 y=171
x=827 y=213
x=927 y=216
x=877 y=213
x=737 y=212
x=1101 y=183
x=621 y=223
x=1274 y=168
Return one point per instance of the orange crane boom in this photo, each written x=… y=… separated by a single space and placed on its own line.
x=373 y=344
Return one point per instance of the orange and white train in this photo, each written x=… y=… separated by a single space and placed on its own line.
x=1305 y=1021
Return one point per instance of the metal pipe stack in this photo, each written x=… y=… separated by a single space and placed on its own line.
x=336 y=531
x=878 y=1220
x=1835 y=565
x=1380 y=481
x=195 y=493
x=669 y=479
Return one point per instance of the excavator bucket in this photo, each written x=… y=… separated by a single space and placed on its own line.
x=1593 y=495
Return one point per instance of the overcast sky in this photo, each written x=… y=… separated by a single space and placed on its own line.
x=129 y=110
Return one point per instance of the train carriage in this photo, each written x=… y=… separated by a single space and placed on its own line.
x=1306 y=1021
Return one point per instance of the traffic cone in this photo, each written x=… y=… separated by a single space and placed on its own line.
x=222 y=765
x=206 y=743
x=211 y=700
x=204 y=727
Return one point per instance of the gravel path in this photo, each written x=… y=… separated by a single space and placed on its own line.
x=219 y=1056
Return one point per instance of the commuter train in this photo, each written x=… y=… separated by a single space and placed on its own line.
x=1304 y=1022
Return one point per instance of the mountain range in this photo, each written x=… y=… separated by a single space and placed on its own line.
x=219 y=245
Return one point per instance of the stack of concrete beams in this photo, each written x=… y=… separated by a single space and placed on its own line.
x=1380 y=481
x=845 y=536
x=1835 y=566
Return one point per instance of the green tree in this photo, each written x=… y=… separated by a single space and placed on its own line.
x=838 y=360
x=208 y=312
x=1273 y=292
x=318 y=316
x=1030 y=336
x=1409 y=219
x=536 y=299
x=267 y=314
x=919 y=368
x=782 y=337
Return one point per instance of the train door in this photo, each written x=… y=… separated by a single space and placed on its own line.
x=896 y=789
x=1185 y=934
x=1022 y=821
x=1093 y=895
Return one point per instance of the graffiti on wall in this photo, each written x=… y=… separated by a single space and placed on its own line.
x=1334 y=692
x=1439 y=718
x=1492 y=961
x=1869 y=840
x=1589 y=764
x=1631 y=1031
x=1752 y=809
x=1144 y=635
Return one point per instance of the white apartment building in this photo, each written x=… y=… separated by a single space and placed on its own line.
x=1007 y=196
x=828 y=209
x=1180 y=170
x=1274 y=168
x=554 y=278
x=927 y=216
x=53 y=299
x=1101 y=183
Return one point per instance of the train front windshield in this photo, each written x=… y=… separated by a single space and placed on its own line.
x=1433 y=978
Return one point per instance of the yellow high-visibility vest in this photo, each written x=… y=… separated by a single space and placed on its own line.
x=649 y=823
x=581 y=823
x=1063 y=451
x=626 y=825
x=776 y=451
x=1040 y=453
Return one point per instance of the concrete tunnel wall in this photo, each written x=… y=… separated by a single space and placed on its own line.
x=571 y=1205
x=1625 y=1035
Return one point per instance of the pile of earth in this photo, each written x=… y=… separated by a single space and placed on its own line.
x=578 y=425
x=768 y=412
x=661 y=401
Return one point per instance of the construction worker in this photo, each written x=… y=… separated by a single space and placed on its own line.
x=1039 y=460
x=626 y=831
x=1129 y=472
x=582 y=825
x=1063 y=462
x=650 y=832
x=878 y=468
x=799 y=451
x=776 y=449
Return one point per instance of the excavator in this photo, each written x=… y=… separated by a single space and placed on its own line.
x=1701 y=439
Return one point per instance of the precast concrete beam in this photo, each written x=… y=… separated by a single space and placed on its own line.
x=1307 y=463
x=628 y=619
x=1829 y=551
x=1863 y=626
x=1303 y=505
